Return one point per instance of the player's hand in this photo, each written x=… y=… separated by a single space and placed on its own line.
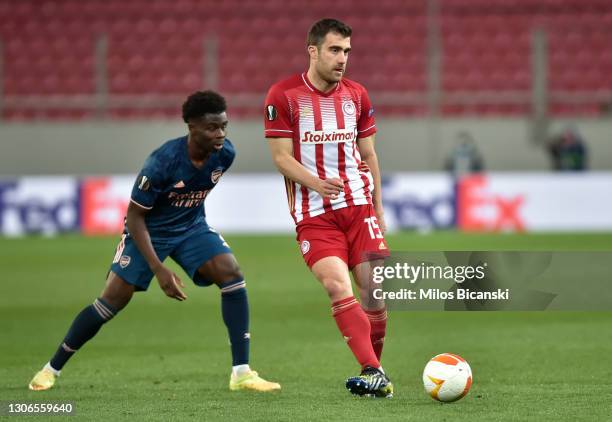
x=170 y=283
x=380 y=217
x=330 y=188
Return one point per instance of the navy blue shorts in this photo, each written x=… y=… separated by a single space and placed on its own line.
x=190 y=250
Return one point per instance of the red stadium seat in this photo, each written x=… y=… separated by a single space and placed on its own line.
x=157 y=47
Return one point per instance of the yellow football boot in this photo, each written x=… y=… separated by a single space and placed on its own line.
x=43 y=380
x=252 y=381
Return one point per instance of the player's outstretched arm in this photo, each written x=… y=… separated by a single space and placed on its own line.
x=368 y=154
x=282 y=155
x=169 y=282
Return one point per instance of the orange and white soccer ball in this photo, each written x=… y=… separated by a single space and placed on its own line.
x=447 y=377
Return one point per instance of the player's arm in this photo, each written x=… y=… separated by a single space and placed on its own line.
x=368 y=154
x=282 y=155
x=168 y=281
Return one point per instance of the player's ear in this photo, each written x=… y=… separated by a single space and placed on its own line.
x=313 y=51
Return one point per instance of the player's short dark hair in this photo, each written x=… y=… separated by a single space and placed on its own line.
x=321 y=28
x=203 y=102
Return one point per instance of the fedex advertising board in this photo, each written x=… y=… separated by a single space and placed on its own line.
x=104 y=202
x=535 y=202
x=257 y=203
x=39 y=205
x=419 y=201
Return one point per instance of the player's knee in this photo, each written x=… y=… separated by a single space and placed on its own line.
x=221 y=269
x=229 y=271
x=117 y=301
x=369 y=301
x=232 y=273
x=117 y=293
x=336 y=288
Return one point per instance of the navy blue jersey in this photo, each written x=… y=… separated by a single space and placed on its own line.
x=174 y=189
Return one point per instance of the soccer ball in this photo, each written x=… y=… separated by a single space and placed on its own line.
x=447 y=377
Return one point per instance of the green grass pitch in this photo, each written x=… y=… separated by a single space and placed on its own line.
x=164 y=360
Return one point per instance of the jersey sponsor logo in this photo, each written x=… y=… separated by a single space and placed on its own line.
x=188 y=199
x=305 y=247
x=348 y=107
x=216 y=175
x=271 y=113
x=143 y=183
x=179 y=185
x=322 y=137
x=124 y=261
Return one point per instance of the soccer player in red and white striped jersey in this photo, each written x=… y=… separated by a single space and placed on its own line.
x=320 y=128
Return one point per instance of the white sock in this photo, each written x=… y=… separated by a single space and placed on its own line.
x=52 y=369
x=240 y=370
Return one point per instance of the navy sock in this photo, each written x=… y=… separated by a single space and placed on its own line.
x=83 y=328
x=235 y=310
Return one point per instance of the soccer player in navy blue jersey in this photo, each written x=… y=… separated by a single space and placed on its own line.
x=166 y=217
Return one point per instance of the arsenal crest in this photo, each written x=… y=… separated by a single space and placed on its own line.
x=124 y=261
x=216 y=175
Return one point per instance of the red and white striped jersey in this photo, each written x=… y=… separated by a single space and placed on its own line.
x=324 y=128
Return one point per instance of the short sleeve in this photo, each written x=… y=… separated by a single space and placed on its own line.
x=366 y=126
x=148 y=184
x=277 y=120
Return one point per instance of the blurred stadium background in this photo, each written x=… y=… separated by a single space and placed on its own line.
x=494 y=116
x=89 y=88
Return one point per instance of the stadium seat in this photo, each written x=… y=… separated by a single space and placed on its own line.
x=158 y=47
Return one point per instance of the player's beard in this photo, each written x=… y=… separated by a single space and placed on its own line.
x=334 y=78
x=329 y=76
